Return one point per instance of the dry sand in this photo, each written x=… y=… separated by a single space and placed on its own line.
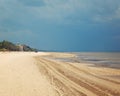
x=32 y=74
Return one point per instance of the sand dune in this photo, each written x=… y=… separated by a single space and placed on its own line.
x=32 y=74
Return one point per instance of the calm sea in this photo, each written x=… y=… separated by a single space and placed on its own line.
x=100 y=59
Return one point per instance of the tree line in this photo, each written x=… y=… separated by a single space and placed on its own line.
x=9 y=46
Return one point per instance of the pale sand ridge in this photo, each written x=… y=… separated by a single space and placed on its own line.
x=19 y=76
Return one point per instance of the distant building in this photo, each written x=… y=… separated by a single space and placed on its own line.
x=20 y=47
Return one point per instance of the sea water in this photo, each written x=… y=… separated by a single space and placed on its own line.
x=98 y=58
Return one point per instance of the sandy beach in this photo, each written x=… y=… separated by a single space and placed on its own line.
x=35 y=74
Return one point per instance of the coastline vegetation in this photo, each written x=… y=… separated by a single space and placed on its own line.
x=9 y=46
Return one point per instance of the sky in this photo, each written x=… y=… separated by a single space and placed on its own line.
x=62 y=25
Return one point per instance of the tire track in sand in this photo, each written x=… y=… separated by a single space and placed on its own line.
x=67 y=82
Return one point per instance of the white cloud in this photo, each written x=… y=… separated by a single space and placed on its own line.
x=60 y=11
x=52 y=10
x=117 y=13
x=108 y=11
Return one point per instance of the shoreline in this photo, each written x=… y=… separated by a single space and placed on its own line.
x=95 y=61
x=36 y=74
x=82 y=79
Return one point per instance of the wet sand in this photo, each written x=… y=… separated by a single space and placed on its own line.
x=35 y=74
